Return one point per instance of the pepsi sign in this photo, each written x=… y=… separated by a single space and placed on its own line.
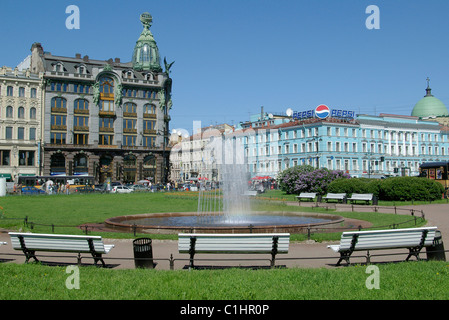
x=322 y=112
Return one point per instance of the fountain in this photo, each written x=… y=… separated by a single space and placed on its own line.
x=226 y=209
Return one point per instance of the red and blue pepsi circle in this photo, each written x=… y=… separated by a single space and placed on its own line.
x=322 y=111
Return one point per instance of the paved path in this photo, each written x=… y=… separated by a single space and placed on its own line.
x=304 y=254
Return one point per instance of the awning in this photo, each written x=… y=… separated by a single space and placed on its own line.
x=5 y=175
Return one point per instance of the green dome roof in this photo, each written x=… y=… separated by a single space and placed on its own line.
x=146 y=54
x=429 y=106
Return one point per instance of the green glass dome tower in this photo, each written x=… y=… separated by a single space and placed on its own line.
x=146 y=54
x=429 y=106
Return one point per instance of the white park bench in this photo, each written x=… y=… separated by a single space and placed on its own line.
x=250 y=193
x=340 y=197
x=413 y=239
x=367 y=197
x=306 y=195
x=29 y=243
x=248 y=243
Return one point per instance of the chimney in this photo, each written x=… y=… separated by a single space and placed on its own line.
x=86 y=58
x=117 y=60
x=78 y=55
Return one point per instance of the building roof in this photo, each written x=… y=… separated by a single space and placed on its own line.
x=429 y=106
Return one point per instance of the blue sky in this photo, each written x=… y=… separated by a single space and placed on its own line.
x=234 y=56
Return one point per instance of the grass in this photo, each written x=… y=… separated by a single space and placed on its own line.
x=404 y=281
x=65 y=213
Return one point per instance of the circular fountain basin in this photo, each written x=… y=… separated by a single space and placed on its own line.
x=256 y=222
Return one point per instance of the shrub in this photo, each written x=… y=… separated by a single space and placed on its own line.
x=306 y=178
x=410 y=188
x=355 y=185
x=392 y=189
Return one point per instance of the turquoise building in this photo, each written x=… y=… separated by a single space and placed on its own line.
x=361 y=145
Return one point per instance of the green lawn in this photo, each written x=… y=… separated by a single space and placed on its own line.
x=64 y=213
x=405 y=281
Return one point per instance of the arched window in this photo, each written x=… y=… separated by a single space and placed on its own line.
x=59 y=103
x=21 y=113
x=32 y=113
x=81 y=105
x=106 y=85
x=149 y=109
x=145 y=53
x=129 y=107
x=9 y=112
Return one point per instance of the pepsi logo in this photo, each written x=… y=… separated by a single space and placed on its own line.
x=322 y=111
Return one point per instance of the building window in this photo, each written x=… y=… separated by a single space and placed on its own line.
x=57 y=138
x=8 y=133
x=26 y=158
x=32 y=134
x=21 y=113
x=21 y=92
x=59 y=103
x=106 y=123
x=82 y=122
x=9 y=91
x=32 y=113
x=130 y=108
x=129 y=140
x=4 y=157
x=106 y=87
x=20 y=133
x=58 y=120
x=129 y=125
x=33 y=93
x=106 y=139
x=80 y=139
x=81 y=105
x=107 y=105
x=9 y=112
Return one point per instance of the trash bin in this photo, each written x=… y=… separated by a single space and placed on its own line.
x=436 y=250
x=143 y=252
x=375 y=201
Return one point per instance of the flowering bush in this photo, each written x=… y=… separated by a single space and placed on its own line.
x=306 y=178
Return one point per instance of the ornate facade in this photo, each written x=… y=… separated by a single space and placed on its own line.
x=20 y=123
x=106 y=119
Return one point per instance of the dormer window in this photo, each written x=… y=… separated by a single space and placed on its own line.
x=58 y=67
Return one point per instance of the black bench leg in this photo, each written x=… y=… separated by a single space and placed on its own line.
x=414 y=252
x=30 y=254
x=192 y=251
x=344 y=256
x=97 y=257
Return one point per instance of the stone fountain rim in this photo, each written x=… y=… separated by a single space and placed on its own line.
x=115 y=221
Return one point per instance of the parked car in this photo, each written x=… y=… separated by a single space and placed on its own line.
x=121 y=189
x=84 y=189
x=138 y=187
x=99 y=188
x=32 y=190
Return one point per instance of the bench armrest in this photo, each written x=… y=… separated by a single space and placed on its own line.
x=334 y=247
x=108 y=247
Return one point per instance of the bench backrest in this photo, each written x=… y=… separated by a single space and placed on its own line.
x=56 y=242
x=307 y=195
x=336 y=195
x=387 y=239
x=233 y=243
x=362 y=196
